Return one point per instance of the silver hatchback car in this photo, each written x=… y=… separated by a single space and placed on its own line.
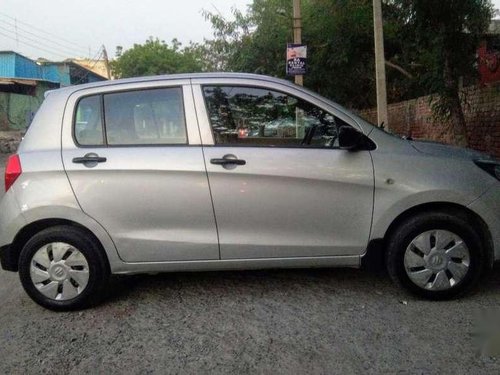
x=235 y=171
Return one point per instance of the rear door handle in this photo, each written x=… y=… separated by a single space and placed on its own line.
x=90 y=159
x=225 y=161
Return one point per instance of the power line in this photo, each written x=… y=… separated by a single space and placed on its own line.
x=33 y=46
x=98 y=55
x=42 y=31
x=89 y=70
x=65 y=52
x=95 y=59
x=22 y=30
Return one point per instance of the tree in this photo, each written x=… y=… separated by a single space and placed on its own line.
x=429 y=46
x=444 y=36
x=253 y=42
x=156 y=57
x=339 y=36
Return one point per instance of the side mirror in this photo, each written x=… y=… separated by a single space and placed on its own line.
x=349 y=138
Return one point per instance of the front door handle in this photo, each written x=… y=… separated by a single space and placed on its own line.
x=228 y=161
x=90 y=159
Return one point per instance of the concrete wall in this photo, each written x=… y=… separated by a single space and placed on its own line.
x=482 y=113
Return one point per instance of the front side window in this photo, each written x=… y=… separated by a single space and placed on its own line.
x=260 y=117
x=145 y=117
x=88 y=122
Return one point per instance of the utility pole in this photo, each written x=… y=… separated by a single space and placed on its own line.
x=297 y=34
x=106 y=61
x=382 y=115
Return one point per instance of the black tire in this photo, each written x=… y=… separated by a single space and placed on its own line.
x=458 y=224
x=88 y=246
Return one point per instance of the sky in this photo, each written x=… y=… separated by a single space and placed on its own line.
x=59 y=29
x=75 y=26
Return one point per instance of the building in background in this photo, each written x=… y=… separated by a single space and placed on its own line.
x=23 y=83
x=99 y=66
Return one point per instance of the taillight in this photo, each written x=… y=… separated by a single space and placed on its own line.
x=12 y=171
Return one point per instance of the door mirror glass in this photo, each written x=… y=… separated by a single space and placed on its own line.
x=349 y=138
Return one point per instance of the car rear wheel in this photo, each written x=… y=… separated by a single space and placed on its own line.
x=63 y=268
x=436 y=255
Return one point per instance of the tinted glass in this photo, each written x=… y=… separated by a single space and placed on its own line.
x=256 y=116
x=145 y=117
x=88 y=122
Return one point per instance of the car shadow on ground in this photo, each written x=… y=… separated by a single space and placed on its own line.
x=339 y=281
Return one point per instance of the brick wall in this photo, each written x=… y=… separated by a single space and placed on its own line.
x=482 y=114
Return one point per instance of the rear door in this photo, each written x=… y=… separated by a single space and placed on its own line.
x=281 y=186
x=134 y=159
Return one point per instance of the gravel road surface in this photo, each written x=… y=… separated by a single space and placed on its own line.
x=336 y=321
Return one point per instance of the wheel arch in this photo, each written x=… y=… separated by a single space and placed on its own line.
x=28 y=231
x=374 y=258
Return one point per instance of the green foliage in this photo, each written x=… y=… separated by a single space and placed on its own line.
x=157 y=57
x=429 y=44
x=254 y=42
x=339 y=36
x=444 y=37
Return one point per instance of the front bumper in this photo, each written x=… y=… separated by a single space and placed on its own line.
x=488 y=207
x=7 y=260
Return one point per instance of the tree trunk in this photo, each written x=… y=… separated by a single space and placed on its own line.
x=458 y=122
x=454 y=105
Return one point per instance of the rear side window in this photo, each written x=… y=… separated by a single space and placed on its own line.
x=145 y=117
x=88 y=122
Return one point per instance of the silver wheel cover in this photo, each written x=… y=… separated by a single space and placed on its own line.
x=59 y=271
x=437 y=260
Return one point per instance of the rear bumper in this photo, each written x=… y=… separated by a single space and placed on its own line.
x=7 y=260
x=11 y=217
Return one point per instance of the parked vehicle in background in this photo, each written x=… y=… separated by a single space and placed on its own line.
x=235 y=171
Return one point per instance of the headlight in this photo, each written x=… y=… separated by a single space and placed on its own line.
x=490 y=166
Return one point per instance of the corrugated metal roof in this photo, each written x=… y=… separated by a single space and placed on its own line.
x=26 y=68
x=15 y=65
x=7 y=64
x=51 y=73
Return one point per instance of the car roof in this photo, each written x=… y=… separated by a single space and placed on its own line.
x=70 y=89
x=67 y=91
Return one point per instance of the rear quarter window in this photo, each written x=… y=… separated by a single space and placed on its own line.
x=88 y=127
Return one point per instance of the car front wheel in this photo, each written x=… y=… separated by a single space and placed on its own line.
x=436 y=255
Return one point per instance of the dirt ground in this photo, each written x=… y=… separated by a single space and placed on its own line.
x=335 y=321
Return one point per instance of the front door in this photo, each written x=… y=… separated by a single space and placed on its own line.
x=280 y=185
x=136 y=166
